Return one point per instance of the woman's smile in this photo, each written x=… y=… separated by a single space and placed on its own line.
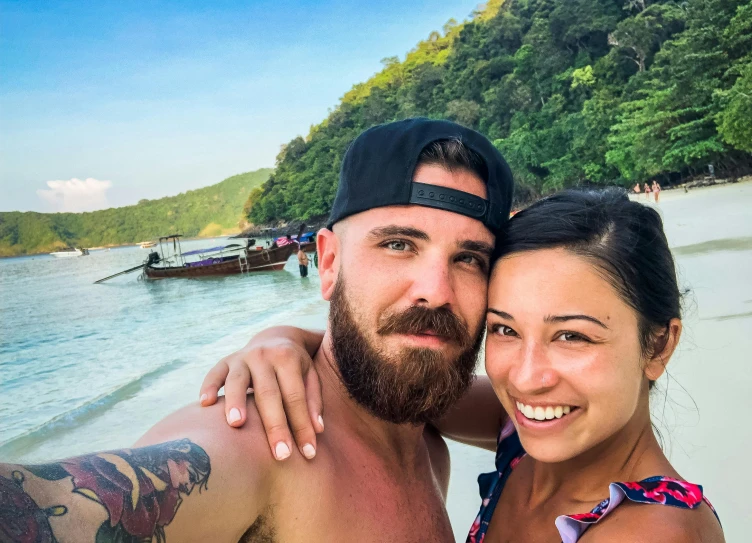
x=538 y=416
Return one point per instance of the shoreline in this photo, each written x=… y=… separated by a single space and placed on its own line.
x=317 y=222
x=117 y=246
x=675 y=192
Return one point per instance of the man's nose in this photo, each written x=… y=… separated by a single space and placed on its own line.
x=432 y=284
x=533 y=373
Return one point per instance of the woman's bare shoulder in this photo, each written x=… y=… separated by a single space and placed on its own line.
x=648 y=523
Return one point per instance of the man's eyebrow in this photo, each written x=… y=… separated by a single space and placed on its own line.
x=403 y=231
x=477 y=246
x=564 y=318
x=502 y=314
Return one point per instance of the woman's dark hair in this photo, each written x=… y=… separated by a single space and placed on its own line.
x=623 y=239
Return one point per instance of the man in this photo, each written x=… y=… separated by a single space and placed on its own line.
x=302 y=261
x=404 y=262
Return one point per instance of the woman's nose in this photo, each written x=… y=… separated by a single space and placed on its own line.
x=533 y=372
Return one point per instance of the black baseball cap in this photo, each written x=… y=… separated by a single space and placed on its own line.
x=378 y=169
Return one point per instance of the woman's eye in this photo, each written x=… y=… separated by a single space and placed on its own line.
x=571 y=336
x=503 y=330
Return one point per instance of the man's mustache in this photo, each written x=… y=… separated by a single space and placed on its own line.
x=421 y=320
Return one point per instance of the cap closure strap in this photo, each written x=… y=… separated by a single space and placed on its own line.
x=448 y=199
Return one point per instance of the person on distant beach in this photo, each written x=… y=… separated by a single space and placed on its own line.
x=302 y=262
x=656 y=190
x=584 y=313
x=404 y=263
x=646 y=190
x=636 y=188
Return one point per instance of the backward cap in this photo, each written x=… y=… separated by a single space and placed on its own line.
x=378 y=168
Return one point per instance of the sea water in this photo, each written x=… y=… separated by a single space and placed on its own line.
x=85 y=367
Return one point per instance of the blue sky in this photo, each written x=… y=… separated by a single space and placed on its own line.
x=161 y=97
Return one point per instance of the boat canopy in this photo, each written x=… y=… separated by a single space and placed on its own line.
x=308 y=236
x=213 y=249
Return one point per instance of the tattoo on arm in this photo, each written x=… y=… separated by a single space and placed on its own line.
x=21 y=519
x=141 y=489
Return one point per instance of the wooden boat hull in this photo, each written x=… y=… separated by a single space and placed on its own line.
x=255 y=261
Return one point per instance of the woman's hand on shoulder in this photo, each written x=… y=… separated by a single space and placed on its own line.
x=278 y=364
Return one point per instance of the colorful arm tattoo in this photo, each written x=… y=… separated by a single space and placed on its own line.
x=141 y=489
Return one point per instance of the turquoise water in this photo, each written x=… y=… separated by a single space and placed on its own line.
x=86 y=367
x=78 y=360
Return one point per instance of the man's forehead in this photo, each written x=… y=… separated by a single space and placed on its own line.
x=436 y=224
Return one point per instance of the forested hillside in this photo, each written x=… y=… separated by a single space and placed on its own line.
x=572 y=92
x=203 y=212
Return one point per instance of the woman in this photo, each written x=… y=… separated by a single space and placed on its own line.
x=583 y=316
x=656 y=190
x=647 y=192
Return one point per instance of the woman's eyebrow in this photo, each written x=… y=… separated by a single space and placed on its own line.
x=502 y=314
x=551 y=318
x=564 y=318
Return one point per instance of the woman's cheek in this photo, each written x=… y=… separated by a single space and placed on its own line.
x=499 y=361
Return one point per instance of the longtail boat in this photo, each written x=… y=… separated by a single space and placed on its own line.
x=306 y=241
x=224 y=260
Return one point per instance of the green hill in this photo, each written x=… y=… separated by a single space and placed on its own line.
x=208 y=211
x=573 y=92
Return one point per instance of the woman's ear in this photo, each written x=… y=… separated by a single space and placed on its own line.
x=327 y=244
x=664 y=345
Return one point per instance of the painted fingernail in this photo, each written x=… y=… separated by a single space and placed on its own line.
x=203 y=398
x=233 y=415
x=308 y=451
x=281 y=451
x=321 y=421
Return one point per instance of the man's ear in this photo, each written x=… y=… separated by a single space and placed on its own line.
x=327 y=244
x=663 y=347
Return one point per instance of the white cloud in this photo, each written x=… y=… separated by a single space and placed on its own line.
x=76 y=195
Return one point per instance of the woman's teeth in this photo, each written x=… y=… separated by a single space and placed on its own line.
x=543 y=413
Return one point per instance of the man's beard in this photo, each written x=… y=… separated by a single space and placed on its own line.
x=415 y=386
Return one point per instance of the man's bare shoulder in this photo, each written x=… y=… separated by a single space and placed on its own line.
x=646 y=523
x=243 y=448
x=182 y=481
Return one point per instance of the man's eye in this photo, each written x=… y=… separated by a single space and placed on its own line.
x=397 y=245
x=472 y=260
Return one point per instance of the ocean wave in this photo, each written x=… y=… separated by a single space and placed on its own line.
x=27 y=441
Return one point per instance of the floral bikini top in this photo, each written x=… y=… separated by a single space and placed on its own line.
x=658 y=490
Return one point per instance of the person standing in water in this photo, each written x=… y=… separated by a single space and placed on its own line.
x=647 y=191
x=302 y=261
x=636 y=189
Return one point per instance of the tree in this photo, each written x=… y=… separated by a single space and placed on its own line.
x=735 y=117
